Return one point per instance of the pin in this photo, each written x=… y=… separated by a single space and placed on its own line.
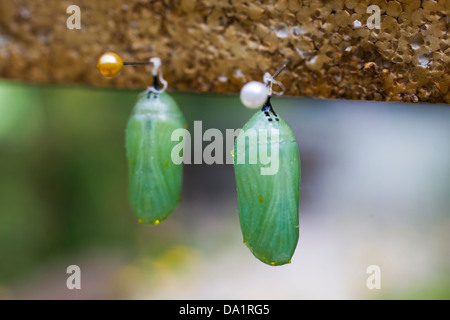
x=255 y=93
x=110 y=64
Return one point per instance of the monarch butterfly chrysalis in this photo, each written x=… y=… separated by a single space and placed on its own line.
x=154 y=180
x=268 y=204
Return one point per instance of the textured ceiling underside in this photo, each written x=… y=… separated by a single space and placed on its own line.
x=217 y=46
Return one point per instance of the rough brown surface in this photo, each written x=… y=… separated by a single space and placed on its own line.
x=217 y=46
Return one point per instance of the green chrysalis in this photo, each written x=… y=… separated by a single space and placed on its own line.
x=154 y=180
x=268 y=201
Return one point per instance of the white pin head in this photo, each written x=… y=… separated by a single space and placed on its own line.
x=254 y=94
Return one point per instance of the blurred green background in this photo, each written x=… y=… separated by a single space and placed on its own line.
x=375 y=190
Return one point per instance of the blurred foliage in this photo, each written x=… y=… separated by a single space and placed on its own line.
x=63 y=178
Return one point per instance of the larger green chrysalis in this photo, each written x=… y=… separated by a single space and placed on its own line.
x=268 y=199
x=154 y=180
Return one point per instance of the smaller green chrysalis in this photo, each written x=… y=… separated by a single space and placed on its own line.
x=268 y=203
x=154 y=180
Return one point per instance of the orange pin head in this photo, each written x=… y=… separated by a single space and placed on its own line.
x=110 y=64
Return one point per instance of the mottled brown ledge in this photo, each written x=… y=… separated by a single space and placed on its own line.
x=217 y=46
